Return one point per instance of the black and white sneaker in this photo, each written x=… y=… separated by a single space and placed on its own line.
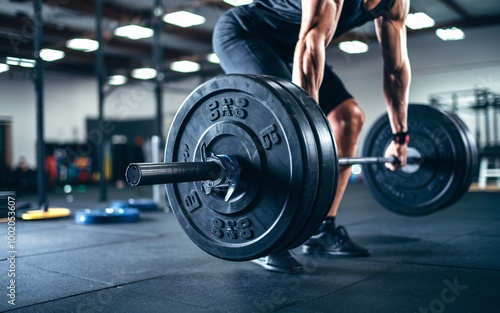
x=334 y=241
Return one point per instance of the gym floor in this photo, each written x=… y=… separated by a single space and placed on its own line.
x=445 y=262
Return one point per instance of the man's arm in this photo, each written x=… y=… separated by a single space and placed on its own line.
x=391 y=33
x=318 y=25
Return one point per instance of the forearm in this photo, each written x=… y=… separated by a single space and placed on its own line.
x=391 y=33
x=319 y=22
x=308 y=67
x=396 y=91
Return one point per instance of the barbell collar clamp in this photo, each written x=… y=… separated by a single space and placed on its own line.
x=229 y=177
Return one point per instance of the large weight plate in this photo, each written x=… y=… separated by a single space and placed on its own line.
x=311 y=186
x=434 y=134
x=454 y=123
x=243 y=116
x=328 y=161
x=472 y=155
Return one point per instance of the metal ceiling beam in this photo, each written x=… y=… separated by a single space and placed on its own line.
x=462 y=23
x=20 y=30
x=88 y=7
x=16 y=37
x=470 y=22
x=457 y=8
x=143 y=17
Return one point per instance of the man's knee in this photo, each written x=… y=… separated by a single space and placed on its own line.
x=348 y=115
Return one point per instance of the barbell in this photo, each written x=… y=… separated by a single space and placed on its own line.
x=251 y=165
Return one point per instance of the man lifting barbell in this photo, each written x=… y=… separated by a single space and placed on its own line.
x=287 y=39
x=251 y=168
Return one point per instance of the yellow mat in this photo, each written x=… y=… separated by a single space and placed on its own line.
x=49 y=214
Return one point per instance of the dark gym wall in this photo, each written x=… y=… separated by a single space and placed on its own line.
x=130 y=128
x=122 y=153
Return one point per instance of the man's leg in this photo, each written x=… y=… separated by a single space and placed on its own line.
x=346 y=121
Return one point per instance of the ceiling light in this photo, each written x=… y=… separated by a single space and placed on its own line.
x=212 y=58
x=450 y=33
x=117 y=80
x=50 y=55
x=4 y=67
x=419 y=20
x=185 y=66
x=82 y=44
x=353 y=47
x=144 y=73
x=27 y=63
x=238 y=2
x=183 y=19
x=134 y=32
x=13 y=61
x=20 y=62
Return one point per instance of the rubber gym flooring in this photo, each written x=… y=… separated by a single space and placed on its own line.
x=445 y=262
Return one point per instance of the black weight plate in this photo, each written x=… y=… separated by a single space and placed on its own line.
x=455 y=124
x=328 y=161
x=243 y=116
x=468 y=142
x=473 y=158
x=107 y=215
x=430 y=188
x=311 y=165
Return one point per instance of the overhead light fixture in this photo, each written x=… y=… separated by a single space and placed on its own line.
x=4 y=67
x=29 y=63
x=82 y=44
x=238 y=2
x=185 y=66
x=144 y=73
x=353 y=47
x=51 y=55
x=117 y=80
x=212 y=58
x=419 y=20
x=134 y=32
x=183 y=19
x=447 y=34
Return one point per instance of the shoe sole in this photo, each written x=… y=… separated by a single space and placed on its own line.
x=277 y=269
x=321 y=251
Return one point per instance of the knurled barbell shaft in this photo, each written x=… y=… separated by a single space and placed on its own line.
x=375 y=160
x=141 y=174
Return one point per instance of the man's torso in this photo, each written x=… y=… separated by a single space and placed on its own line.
x=354 y=12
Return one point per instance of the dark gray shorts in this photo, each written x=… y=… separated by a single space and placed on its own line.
x=250 y=42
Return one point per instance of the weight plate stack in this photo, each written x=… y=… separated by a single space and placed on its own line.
x=311 y=164
x=328 y=160
x=243 y=116
x=469 y=143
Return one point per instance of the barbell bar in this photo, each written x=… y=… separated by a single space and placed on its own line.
x=142 y=174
